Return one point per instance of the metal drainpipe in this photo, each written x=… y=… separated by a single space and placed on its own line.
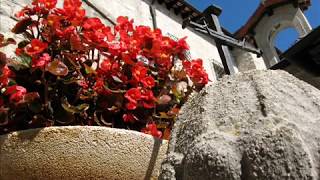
x=110 y=19
x=153 y=14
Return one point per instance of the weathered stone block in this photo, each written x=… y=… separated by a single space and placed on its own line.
x=256 y=125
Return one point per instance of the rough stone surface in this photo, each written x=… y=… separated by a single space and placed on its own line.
x=259 y=125
x=80 y=153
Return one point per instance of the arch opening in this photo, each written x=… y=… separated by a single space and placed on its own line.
x=285 y=38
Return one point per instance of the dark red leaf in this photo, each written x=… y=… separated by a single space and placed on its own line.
x=76 y=43
x=57 y=68
x=4 y=116
x=30 y=97
x=164 y=99
x=23 y=44
x=1 y=38
x=11 y=41
x=3 y=60
x=22 y=26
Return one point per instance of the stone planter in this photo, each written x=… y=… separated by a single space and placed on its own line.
x=80 y=152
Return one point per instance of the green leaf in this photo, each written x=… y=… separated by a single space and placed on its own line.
x=57 y=68
x=70 y=81
x=73 y=109
x=163 y=115
x=89 y=70
x=22 y=62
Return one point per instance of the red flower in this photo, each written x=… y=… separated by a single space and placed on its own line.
x=133 y=95
x=116 y=48
x=83 y=84
x=53 y=20
x=196 y=71
x=92 y=23
x=99 y=85
x=182 y=44
x=18 y=51
x=164 y=61
x=129 y=118
x=139 y=72
x=148 y=82
x=71 y=5
x=4 y=76
x=148 y=99
x=131 y=106
x=49 y=4
x=124 y=24
x=42 y=61
x=107 y=32
x=79 y=14
x=36 y=47
x=152 y=130
x=16 y=93
x=106 y=65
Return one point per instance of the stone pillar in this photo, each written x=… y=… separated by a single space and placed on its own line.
x=247 y=61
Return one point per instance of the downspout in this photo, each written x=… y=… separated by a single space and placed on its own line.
x=153 y=14
x=110 y=19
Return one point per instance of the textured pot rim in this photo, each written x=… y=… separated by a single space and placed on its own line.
x=114 y=130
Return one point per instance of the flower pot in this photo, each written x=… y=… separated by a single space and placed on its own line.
x=80 y=152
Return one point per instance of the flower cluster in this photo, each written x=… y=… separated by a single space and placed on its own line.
x=74 y=70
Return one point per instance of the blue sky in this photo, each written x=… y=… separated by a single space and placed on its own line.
x=236 y=12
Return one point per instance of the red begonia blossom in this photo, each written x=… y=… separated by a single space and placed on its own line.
x=92 y=24
x=5 y=75
x=131 y=105
x=139 y=71
x=36 y=47
x=151 y=129
x=148 y=82
x=41 y=61
x=129 y=118
x=16 y=93
x=133 y=95
x=196 y=71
